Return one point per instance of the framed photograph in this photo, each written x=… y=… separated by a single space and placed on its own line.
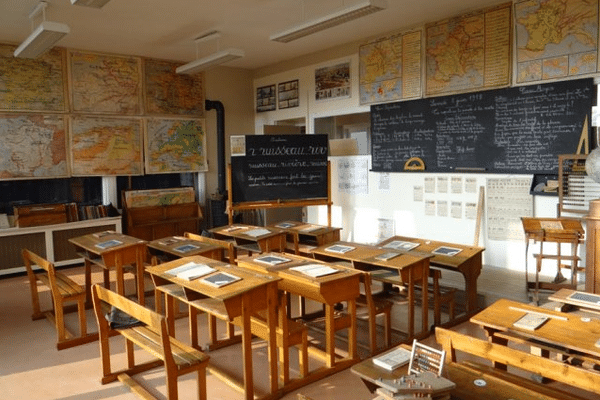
x=287 y=94
x=332 y=82
x=266 y=98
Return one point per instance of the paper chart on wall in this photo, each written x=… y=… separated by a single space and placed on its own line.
x=456 y=209
x=507 y=200
x=353 y=175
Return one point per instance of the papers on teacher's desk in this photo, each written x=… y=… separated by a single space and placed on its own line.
x=190 y=271
x=393 y=359
x=315 y=270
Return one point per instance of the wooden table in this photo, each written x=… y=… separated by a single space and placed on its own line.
x=329 y=290
x=112 y=250
x=411 y=267
x=174 y=247
x=468 y=262
x=253 y=293
x=562 y=331
x=305 y=236
x=252 y=238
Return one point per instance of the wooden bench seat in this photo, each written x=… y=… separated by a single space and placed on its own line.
x=177 y=357
x=62 y=290
x=573 y=375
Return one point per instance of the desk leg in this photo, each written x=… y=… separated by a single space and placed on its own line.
x=330 y=334
x=352 y=344
x=471 y=271
x=247 y=348
x=425 y=297
x=139 y=265
x=88 y=282
x=411 y=304
x=272 y=311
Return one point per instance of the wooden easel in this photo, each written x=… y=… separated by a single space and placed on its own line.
x=231 y=207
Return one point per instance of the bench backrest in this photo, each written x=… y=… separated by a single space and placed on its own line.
x=228 y=246
x=151 y=319
x=570 y=374
x=30 y=259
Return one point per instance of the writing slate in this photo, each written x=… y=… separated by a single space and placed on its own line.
x=280 y=167
x=513 y=130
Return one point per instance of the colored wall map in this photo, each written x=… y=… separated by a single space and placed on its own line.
x=390 y=68
x=106 y=146
x=175 y=145
x=33 y=146
x=32 y=84
x=556 y=39
x=159 y=197
x=167 y=92
x=468 y=52
x=105 y=84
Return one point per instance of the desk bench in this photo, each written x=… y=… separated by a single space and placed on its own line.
x=177 y=357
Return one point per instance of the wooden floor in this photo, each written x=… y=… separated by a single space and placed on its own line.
x=32 y=368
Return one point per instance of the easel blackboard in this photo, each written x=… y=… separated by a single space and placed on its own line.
x=519 y=130
x=275 y=171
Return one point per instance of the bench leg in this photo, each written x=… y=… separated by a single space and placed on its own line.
x=130 y=355
x=60 y=322
x=35 y=299
x=202 y=384
x=81 y=313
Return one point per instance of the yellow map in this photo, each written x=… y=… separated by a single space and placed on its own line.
x=106 y=146
x=106 y=84
x=32 y=84
x=170 y=93
x=33 y=146
x=468 y=52
x=175 y=145
x=390 y=68
x=556 y=38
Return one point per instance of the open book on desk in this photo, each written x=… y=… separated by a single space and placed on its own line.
x=315 y=270
x=190 y=271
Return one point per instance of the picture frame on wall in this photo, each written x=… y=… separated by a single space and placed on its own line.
x=332 y=82
x=287 y=94
x=266 y=98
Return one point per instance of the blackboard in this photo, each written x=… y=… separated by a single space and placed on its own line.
x=280 y=167
x=513 y=130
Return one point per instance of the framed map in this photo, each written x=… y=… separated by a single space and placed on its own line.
x=104 y=146
x=390 y=68
x=175 y=145
x=33 y=146
x=167 y=92
x=28 y=84
x=105 y=83
x=555 y=39
x=469 y=52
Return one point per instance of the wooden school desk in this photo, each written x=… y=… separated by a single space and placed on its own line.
x=252 y=293
x=304 y=236
x=412 y=268
x=252 y=238
x=343 y=286
x=468 y=262
x=174 y=247
x=561 y=332
x=112 y=250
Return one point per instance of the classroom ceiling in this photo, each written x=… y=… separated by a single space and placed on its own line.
x=166 y=29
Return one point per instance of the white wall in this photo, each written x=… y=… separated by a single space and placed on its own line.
x=358 y=214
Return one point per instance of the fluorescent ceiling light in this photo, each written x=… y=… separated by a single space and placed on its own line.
x=90 y=3
x=41 y=39
x=213 y=60
x=352 y=12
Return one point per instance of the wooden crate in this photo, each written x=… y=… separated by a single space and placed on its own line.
x=40 y=214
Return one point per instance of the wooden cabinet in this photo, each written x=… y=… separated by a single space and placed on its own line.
x=155 y=222
x=49 y=241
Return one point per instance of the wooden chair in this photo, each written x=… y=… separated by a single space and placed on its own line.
x=369 y=306
x=152 y=336
x=229 y=246
x=62 y=290
x=441 y=296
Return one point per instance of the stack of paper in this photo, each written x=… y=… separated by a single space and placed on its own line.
x=315 y=270
x=393 y=359
x=190 y=271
